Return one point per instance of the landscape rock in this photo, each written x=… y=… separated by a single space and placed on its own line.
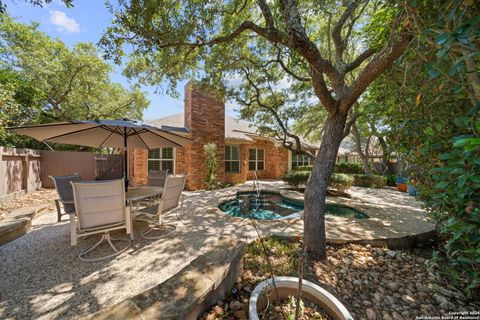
x=371 y=315
x=396 y=316
x=236 y=305
x=408 y=299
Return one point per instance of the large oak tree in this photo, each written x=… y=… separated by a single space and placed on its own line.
x=333 y=49
x=50 y=82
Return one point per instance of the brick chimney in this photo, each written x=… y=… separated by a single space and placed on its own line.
x=205 y=118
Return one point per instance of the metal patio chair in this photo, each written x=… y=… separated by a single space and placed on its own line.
x=170 y=200
x=100 y=209
x=65 y=194
x=157 y=178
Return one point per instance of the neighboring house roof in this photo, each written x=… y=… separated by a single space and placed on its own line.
x=235 y=129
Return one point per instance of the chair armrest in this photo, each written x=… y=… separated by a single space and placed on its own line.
x=65 y=202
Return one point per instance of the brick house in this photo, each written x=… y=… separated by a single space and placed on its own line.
x=240 y=150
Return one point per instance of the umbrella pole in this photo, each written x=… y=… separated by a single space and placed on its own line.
x=125 y=158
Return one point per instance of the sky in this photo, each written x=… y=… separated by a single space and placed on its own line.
x=85 y=22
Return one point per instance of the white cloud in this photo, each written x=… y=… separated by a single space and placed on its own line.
x=63 y=22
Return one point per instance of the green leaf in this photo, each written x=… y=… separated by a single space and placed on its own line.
x=441 y=39
x=431 y=70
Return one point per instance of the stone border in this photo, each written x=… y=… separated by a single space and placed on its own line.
x=402 y=242
x=189 y=292
x=19 y=222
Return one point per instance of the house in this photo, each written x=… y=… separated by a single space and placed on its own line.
x=240 y=149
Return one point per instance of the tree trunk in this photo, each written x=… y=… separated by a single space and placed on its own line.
x=385 y=155
x=316 y=191
x=358 y=146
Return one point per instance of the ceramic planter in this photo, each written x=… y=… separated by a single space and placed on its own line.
x=402 y=187
x=411 y=189
x=288 y=286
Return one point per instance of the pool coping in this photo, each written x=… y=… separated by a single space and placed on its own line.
x=424 y=235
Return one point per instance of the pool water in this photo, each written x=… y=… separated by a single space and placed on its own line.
x=272 y=206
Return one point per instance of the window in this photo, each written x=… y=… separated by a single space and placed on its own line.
x=299 y=160
x=161 y=159
x=232 y=159
x=256 y=159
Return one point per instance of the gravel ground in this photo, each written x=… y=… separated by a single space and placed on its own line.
x=373 y=283
x=38 y=197
x=43 y=278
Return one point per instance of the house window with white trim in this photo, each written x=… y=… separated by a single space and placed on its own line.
x=232 y=159
x=256 y=159
x=161 y=159
x=299 y=160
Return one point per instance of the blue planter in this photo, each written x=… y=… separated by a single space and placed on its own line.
x=400 y=179
x=411 y=189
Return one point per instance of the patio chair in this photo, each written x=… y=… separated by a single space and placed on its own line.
x=169 y=201
x=157 y=178
x=100 y=209
x=65 y=194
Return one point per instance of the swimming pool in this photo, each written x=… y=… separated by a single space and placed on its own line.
x=273 y=206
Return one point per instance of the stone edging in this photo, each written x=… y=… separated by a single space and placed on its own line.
x=18 y=223
x=394 y=243
x=189 y=292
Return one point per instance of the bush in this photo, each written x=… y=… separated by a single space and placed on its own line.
x=390 y=180
x=341 y=181
x=369 y=181
x=349 y=167
x=338 y=181
x=296 y=178
x=210 y=151
x=303 y=168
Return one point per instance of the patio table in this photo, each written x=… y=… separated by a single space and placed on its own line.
x=136 y=194
x=140 y=193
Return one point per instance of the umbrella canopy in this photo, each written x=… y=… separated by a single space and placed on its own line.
x=105 y=133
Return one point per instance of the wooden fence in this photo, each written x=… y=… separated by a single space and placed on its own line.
x=26 y=170
x=90 y=166
x=19 y=171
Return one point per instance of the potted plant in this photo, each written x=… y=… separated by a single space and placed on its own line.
x=285 y=287
x=293 y=292
x=401 y=184
x=412 y=186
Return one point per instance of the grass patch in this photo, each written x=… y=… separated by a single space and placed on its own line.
x=283 y=253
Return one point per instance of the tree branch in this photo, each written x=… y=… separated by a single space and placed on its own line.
x=287 y=70
x=273 y=35
x=359 y=60
x=350 y=123
x=337 y=31
x=382 y=60
x=286 y=134
x=267 y=14
x=70 y=84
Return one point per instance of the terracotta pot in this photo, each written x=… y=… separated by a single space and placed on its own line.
x=288 y=286
x=402 y=187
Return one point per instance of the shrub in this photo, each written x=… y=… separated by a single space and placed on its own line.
x=453 y=201
x=349 y=167
x=341 y=181
x=303 y=168
x=296 y=178
x=390 y=180
x=369 y=181
x=211 y=163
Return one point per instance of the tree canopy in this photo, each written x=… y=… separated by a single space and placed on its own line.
x=44 y=81
x=429 y=102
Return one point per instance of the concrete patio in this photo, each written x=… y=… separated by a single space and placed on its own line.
x=42 y=276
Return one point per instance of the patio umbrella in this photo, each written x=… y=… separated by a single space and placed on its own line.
x=106 y=133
